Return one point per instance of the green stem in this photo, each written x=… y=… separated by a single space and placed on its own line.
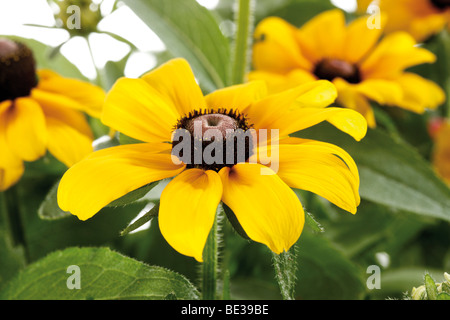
x=11 y=220
x=244 y=23
x=285 y=265
x=210 y=265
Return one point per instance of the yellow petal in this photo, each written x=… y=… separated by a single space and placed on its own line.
x=360 y=39
x=420 y=18
x=67 y=144
x=107 y=174
x=136 y=109
x=275 y=47
x=350 y=98
x=71 y=117
x=289 y=112
x=266 y=208
x=9 y=176
x=88 y=97
x=419 y=93
x=323 y=36
x=26 y=131
x=396 y=52
x=266 y=111
x=11 y=166
x=237 y=97
x=279 y=82
x=187 y=210
x=5 y=105
x=385 y=92
x=176 y=83
x=318 y=167
x=346 y=120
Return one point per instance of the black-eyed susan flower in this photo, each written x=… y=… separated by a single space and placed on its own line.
x=363 y=67
x=421 y=18
x=168 y=101
x=41 y=111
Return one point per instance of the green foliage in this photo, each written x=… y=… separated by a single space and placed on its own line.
x=197 y=39
x=104 y=275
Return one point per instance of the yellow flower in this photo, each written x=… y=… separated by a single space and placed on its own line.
x=420 y=18
x=167 y=100
x=364 y=4
x=351 y=56
x=440 y=132
x=41 y=111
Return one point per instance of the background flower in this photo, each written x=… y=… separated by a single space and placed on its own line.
x=363 y=67
x=41 y=111
x=420 y=18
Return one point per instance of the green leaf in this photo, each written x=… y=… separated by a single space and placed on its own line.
x=12 y=253
x=149 y=215
x=133 y=196
x=443 y=296
x=49 y=209
x=324 y=272
x=190 y=31
x=112 y=71
x=430 y=285
x=103 y=274
x=312 y=223
x=446 y=287
x=392 y=172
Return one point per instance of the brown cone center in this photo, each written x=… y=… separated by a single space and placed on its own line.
x=17 y=70
x=212 y=141
x=441 y=4
x=329 y=69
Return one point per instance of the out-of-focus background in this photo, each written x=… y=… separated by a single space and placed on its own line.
x=22 y=18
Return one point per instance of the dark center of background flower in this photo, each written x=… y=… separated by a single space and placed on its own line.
x=329 y=69
x=17 y=70
x=217 y=138
x=441 y=4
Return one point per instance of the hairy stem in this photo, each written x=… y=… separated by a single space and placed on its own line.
x=244 y=23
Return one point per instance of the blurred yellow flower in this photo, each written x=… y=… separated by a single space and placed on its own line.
x=352 y=56
x=40 y=111
x=154 y=107
x=420 y=18
x=440 y=132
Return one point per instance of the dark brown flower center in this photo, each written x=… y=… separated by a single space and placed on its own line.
x=213 y=139
x=329 y=69
x=17 y=70
x=441 y=4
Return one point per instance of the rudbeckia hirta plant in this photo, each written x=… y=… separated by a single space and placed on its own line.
x=362 y=64
x=41 y=111
x=254 y=179
x=421 y=18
